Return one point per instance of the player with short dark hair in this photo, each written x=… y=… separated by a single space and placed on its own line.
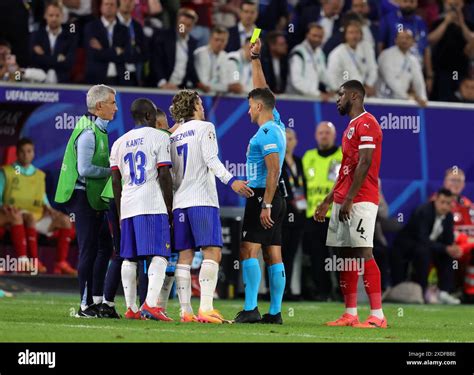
x=265 y=211
x=356 y=198
x=141 y=158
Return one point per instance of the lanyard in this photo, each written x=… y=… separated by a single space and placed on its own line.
x=313 y=60
x=110 y=35
x=356 y=63
x=213 y=59
x=405 y=66
x=131 y=29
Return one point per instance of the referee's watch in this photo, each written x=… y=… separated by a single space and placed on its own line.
x=266 y=205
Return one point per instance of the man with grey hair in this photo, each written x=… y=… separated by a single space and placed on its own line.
x=84 y=174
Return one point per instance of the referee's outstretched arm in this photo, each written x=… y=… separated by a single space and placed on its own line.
x=257 y=72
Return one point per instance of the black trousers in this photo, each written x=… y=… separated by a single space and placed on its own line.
x=292 y=236
x=421 y=256
x=114 y=271
x=315 y=245
x=95 y=246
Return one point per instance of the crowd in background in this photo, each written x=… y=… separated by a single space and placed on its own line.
x=400 y=49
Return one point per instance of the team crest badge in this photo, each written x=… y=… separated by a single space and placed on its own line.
x=350 y=133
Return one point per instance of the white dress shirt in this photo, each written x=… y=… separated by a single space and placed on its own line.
x=307 y=69
x=210 y=68
x=398 y=72
x=128 y=66
x=181 y=60
x=51 y=76
x=327 y=24
x=345 y=63
x=109 y=26
x=244 y=34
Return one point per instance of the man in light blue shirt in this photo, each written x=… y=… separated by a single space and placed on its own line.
x=265 y=210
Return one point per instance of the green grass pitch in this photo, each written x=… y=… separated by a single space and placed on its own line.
x=46 y=317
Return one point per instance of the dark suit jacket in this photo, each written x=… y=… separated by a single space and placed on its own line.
x=98 y=60
x=308 y=14
x=234 y=39
x=418 y=229
x=337 y=38
x=270 y=76
x=299 y=217
x=66 y=45
x=163 y=55
x=139 y=52
x=269 y=14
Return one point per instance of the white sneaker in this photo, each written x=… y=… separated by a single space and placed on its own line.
x=448 y=299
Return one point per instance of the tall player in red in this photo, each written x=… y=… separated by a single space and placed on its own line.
x=356 y=197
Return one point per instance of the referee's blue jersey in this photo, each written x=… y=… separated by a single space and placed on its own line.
x=269 y=138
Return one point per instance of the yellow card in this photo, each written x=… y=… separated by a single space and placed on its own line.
x=255 y=35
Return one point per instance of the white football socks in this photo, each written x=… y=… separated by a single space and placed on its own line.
x=351 y=310
x=129 y=282
x=156 y=276
x=97 y=300
x=183 y=287
x=208 y=281
x=378 y=313
x=165 y=292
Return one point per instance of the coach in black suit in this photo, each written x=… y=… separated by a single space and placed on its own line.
x=427 y=238
x=53 y=46
x=108 y=47
x=244 y=28
x=172 y=54
x=139 y=49
x=275 y=61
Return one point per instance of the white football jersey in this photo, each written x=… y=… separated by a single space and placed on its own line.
x=194 y=154
x=137 y=154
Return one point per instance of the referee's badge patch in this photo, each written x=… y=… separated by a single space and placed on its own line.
x=270 y=146
x=350 y=133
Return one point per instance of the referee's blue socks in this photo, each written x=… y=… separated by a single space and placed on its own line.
x=251 y=274
x=276 y=274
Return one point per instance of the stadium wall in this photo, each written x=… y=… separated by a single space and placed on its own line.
x=419 y=144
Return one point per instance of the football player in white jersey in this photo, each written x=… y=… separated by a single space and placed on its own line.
x=196 y=221
x=142 y=184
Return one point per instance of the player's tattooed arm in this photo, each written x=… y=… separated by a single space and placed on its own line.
x=272 y=163
x=360 y=173
x=258 y=77
x=166 y=185
x=117 y=188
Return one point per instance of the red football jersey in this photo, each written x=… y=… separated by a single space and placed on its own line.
x=362 y=132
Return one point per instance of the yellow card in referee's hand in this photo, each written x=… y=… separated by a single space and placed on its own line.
x=255 y=35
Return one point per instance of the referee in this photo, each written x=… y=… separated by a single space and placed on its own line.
x=265 y=210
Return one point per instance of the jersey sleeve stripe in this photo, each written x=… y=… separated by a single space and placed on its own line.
x=366 y=139
x=163 y=164
x=366 y=146
x=114 y=167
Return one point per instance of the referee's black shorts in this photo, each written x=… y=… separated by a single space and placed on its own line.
x=252 y=229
